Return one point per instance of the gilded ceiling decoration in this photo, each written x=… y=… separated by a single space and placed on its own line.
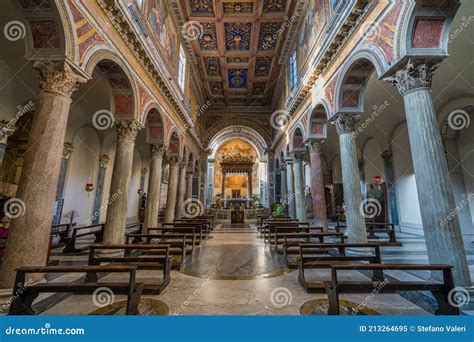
x=238 y=48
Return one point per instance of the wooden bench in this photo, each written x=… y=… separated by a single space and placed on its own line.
x=205 y=225
x=375 y=227
x=280 y=232
x=199 y=231
x=24 y=296
x=180 y=244
x=292 y=241
x=151 y=257
x=97 y=230
x=265 y=224
x=440 y=291
x=318 y=256
x=62 y=231
x=286 y=225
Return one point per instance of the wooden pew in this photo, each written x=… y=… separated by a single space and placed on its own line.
x=274 y=225
x=440 y=291
x=183 y=227
x=151 y=257
x=375 y=227
x=292 y=241
x=24 y=296
x=264 y=226
x=97 y=230
x=62 y=230
x=205 y=224
x=318 y=256
x=180 y=244
x=280 y=231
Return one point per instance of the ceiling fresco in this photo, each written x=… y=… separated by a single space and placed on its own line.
x=238 y=49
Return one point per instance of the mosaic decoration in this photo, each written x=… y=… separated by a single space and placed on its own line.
x=237 y=7
x=165 y=32
x=271 y=6
x=258 y=88
x=263 y=66
x=201 y=7
x=216 y=88
x=268 y=36
x=237 y=36
x=237 y=60
x=237 y=78
x=212 y=66
x=45 y=34
x=208 y=41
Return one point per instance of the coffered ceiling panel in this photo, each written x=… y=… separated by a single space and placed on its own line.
x=237 y=50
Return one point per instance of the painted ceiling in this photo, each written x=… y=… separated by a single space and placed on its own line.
x=238 y=49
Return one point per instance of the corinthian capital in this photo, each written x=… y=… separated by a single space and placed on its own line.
x=127 y=130
x=67 y=150
x=413 y=77
x=315 y=145
x=158 y=150
x=345 y=123
x=58 y=77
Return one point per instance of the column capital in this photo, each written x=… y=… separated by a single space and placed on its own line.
x=144 y=171
x=158 y=150
x=6 y=129
x=103 y=160
x=289 y=161
x=413 y=76
x=387 y=155
x=315 y=145
x=127 y=130
x=67 y=150
x=174 y=161
x=345 y=123
x=283 y=168
x=58 y=77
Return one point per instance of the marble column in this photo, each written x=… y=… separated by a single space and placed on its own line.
x=172 y=190
x=202 y=177
x=189 y=186
x=27 y=244
x=103 y=160
x=441 y=227
x=317 y=184
x=181 y=190
x=6 y=130
x=290 y=188
x=210 y=182
x=387 y=158
x=224 y=175
x=284 y=189
x=67 y=151
x=250 y=185
x=299 y=188
x=270 y=178
x=345 y=125
x=154 y=187
x=116 y=220
x=363 y=186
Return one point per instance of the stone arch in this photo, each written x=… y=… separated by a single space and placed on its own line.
x=317 y=121
x=125 y=101
x=297 y=138
x=174 y=143
x=154 y=125
x=239 y=132
x=351 y=86
x=226 y=124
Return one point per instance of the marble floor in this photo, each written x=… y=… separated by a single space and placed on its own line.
x=234 y=272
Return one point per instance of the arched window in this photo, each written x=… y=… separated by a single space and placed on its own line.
x=181 y=68
x=293 y=69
